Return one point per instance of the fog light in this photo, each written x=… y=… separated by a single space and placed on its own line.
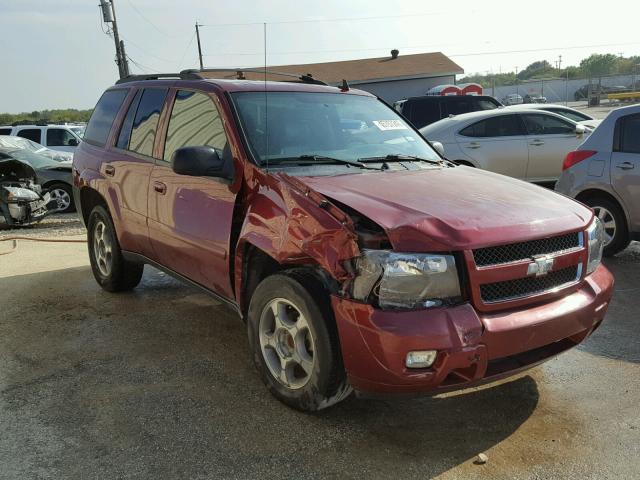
x=421 y=359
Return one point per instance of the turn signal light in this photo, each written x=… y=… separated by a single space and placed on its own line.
x=576 y=157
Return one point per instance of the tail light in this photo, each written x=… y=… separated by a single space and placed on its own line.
x=576 y=157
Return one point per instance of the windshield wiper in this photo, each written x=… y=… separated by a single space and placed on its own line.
x=399 y=158
x=318 y=159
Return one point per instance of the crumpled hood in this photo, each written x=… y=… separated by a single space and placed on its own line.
x=453 y=208
x=14 y=170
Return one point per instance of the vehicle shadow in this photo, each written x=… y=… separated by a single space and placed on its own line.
x=158 y=383
x=618 y=336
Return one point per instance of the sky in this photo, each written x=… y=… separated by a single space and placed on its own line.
x=56 y=54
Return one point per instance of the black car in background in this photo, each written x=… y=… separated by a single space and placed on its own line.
x=423 y=111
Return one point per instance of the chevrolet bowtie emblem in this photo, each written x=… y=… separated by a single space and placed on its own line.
x=541 y=265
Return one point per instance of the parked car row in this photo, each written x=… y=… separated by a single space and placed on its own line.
x=64 y=138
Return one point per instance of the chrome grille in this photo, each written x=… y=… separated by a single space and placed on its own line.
x=529 y=286
x=514 y=252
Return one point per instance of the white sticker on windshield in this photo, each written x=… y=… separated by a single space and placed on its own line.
x=390 y=124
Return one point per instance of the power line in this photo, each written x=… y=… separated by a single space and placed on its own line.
x=324 y=20
x=147 y=52
x=146 y=19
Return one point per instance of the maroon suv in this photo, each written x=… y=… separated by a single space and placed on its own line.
x=358 y=257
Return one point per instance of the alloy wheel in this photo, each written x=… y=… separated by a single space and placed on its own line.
x=286 y=343
x=608 y=223
x=62 y=197
x=102 y=248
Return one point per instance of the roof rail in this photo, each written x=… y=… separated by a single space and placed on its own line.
x=304 y=78
x=157 y=76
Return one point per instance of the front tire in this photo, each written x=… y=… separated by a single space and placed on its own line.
x=614 y=223
x=294 y=342
x=112 y=272
x=64 y=195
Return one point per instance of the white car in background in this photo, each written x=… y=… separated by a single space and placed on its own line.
x=568 y=112
x=8 y=141
x=64 y=137
x=527 y=144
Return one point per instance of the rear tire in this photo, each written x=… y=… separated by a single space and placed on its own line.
x=294 y=342
x=112 y=272
x=614 y=222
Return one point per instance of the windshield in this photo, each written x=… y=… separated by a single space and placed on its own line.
x=34 y=159
x=339 y=126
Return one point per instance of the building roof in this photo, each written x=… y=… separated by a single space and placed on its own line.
x=366 y=70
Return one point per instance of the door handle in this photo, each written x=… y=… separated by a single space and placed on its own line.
x=110 y=170
x=160 y=187
x=625 y=165
x=473 y=145
x=537 y=143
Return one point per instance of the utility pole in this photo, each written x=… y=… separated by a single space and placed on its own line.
x=199 y=47
x=109 y=16
x=559 y=62
x=517 y=87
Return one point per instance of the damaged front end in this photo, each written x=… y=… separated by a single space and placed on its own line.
x=22 y=201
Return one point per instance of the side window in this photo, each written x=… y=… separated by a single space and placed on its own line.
x=103 y=116
x=570 y=114
x=424 y=112
x=458 y=105
x=59 y=137
x=5 y=131
x=194 y=121
x=630 y=138
x=484 y=104
x=145 y=122
x=547 y=125
x=127 y=123
x=33 y=134
x=500 y=126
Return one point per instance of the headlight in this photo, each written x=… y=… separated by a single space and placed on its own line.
x=595 y=239
x=18 y=193
x=406 y=280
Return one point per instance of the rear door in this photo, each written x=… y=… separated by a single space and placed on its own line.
x=549 y=139
x=497 y=144
x=625 y=166
x=131 y=163
x=423 y=111
x=190 y=217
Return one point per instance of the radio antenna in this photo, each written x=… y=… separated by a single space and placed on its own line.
x=266 y=110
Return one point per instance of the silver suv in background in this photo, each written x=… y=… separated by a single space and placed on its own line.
x=604 y=173
x=61 y=137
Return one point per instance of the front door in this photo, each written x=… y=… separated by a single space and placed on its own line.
x=497 y=144
x=549 y=139
x=190 y=217
x=625 y=166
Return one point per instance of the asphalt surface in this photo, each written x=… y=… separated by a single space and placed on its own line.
x=158 y=383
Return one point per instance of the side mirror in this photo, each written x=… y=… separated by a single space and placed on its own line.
x=438 y=147
x=200 y=161
x=72 y=142
x=580 y=130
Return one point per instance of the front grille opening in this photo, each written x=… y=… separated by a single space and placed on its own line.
x=529 y=286
x=525 y=250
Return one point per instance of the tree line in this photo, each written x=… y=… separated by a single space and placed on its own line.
x=596 y=65
x=70 y=115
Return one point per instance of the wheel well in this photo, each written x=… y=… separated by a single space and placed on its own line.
x=595 y=193
x=258 y=265
x=90 y=198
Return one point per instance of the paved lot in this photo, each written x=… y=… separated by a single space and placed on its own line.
x=158 y=384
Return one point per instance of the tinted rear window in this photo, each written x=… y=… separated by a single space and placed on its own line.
x=5 y=131
x=33 y=134
x=630 y=142
x=423 y=112
x=143 y=133
x=103 y=116
x=500 y=126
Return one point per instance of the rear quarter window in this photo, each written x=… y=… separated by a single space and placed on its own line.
x=5 y=131
x=103 y=116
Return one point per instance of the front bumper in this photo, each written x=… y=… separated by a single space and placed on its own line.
x=473 y=348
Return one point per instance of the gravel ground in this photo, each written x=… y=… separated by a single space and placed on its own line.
x=158 y=383
x=56 y=225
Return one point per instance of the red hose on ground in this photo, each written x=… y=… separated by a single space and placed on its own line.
x=35 y=239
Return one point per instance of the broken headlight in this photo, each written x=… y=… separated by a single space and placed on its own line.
x=405 y=280
x=18 y=193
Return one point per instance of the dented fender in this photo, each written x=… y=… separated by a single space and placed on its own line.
x=294 y=224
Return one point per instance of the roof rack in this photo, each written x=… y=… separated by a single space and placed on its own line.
x=157 y=76
x=304 y=78
x=196 y=74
